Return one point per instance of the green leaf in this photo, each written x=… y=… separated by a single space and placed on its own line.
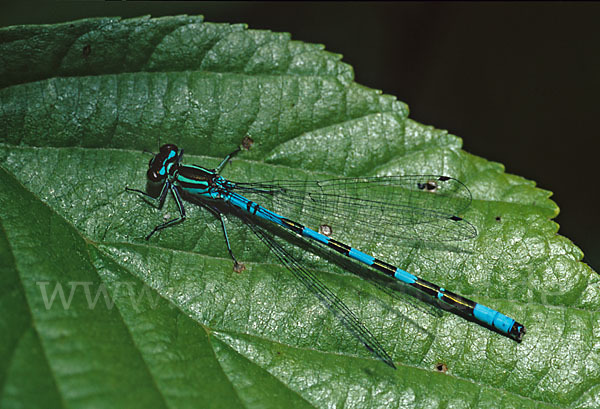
x=168 y=323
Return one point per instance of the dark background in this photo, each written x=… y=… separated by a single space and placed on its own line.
x=519 y=82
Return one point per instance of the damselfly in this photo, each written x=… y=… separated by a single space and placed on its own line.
x=397 y=207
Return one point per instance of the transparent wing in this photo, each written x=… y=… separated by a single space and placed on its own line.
x=415 y=207
x=323 y=293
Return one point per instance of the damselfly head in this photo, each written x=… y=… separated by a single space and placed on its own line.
x=161 y=163
x=168 y=149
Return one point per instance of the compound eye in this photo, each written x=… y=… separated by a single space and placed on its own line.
x=168 y=148
x=153 y=176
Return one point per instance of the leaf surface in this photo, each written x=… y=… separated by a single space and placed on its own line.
x=95 y=316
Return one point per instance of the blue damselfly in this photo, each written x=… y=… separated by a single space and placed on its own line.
x=397 y=207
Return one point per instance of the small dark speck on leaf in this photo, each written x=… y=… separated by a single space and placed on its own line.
x=238 y=267
x=247 y=142
x=498 y=219
x=87 y=50
x=441 y=367
x=369 y=371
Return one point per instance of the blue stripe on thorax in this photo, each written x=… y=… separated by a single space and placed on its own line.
x=195 y=191
x=183 y=179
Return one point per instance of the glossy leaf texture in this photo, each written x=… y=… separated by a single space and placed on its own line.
x=92 y=315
